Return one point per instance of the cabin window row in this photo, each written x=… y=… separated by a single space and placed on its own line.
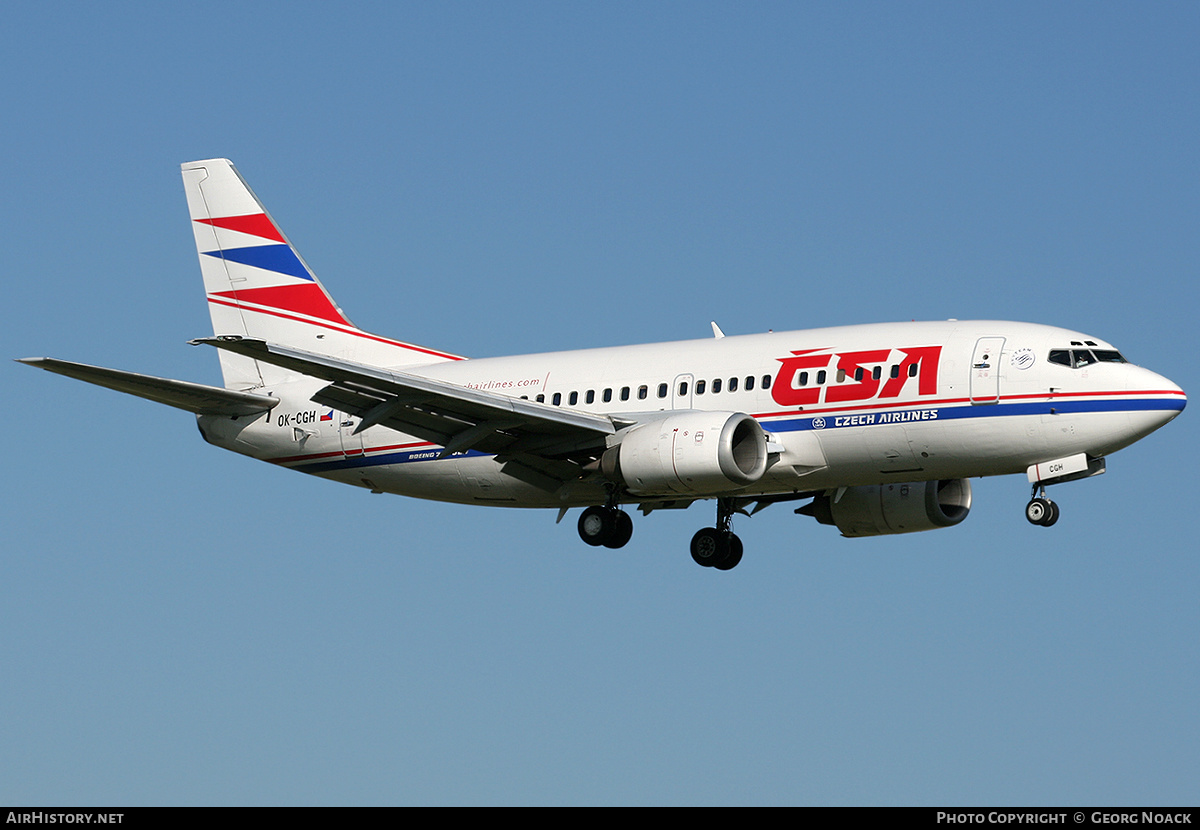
x=643 y=392
x=860 y=373
x=715 y=386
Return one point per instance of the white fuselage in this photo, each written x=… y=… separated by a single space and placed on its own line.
x=842 y=407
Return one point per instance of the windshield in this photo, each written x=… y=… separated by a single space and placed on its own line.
x=1076 y=358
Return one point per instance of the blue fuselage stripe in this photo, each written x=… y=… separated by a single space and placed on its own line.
x=405 y=457
x=911 y=413
x=907 y=413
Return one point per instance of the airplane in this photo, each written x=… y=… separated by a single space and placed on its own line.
x=877 y=427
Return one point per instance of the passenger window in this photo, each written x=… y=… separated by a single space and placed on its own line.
x=841 y=375
x=662 y=390
x=821 y=378
x=766 y=384
x=624 y=393
x=699 y=387
x=573 y=398
x=541 y=398
x=912 y=370
x=716 y=386
x=749 y=383
x=858 y=373
x=804 y=378
x=876 y=372
x=607 y=395
x=558 y=398
x=733 y=384
x=591 y=396
x=642 y=392
x=682 y=388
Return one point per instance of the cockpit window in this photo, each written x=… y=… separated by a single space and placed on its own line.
x=1077 y=358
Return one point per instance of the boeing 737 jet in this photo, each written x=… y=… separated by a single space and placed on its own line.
x=877 y=429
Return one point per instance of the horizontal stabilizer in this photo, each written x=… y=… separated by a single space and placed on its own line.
x=193 y=397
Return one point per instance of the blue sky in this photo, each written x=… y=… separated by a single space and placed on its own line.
x=180 y=625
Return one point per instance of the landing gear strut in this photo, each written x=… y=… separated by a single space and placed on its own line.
x=1040 y=510
x=718 y=547
x=608 y=526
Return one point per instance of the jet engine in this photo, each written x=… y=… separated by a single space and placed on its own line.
x=691 y=453
x=879 y=509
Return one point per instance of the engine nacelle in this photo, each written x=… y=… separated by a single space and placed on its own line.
x=692 y=453
x=879 y=509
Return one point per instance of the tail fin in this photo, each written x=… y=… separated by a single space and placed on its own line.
x=258 y=286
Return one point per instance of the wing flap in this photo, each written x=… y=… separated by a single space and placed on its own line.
x=453 y=416
x=181 y=394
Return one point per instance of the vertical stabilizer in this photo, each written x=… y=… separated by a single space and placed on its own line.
x=258 y=286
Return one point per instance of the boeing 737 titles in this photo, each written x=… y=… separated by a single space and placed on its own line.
x=878 y=428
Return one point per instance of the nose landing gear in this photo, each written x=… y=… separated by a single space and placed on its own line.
x=1040 y=510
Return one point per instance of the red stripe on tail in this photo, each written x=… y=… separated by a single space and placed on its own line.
x=302 y=298
x=255 y=224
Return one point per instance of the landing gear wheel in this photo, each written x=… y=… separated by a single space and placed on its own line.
x=718 y=547
x=709 y=546
x=596 y=525
x=622 y=530
x=1035 y=512
x=605 y=526
x=1041 y=511
x=1052 y=517
x=732 y=557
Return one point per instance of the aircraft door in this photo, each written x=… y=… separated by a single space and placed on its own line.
x=985 y=370
x=352 y=445
x=681 y=392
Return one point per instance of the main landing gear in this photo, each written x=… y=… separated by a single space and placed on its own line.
x=713 y=547
x=608 y=526
x=718 y=547
x=1040 y=510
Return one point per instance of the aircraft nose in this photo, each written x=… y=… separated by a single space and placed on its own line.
x=1162 y=397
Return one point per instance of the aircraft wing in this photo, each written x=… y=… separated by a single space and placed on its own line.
x=181 y=394
x=526 y=433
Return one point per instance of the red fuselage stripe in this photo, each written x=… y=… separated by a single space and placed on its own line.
x=846 y=409
x=893 y=404
x=289 y=459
